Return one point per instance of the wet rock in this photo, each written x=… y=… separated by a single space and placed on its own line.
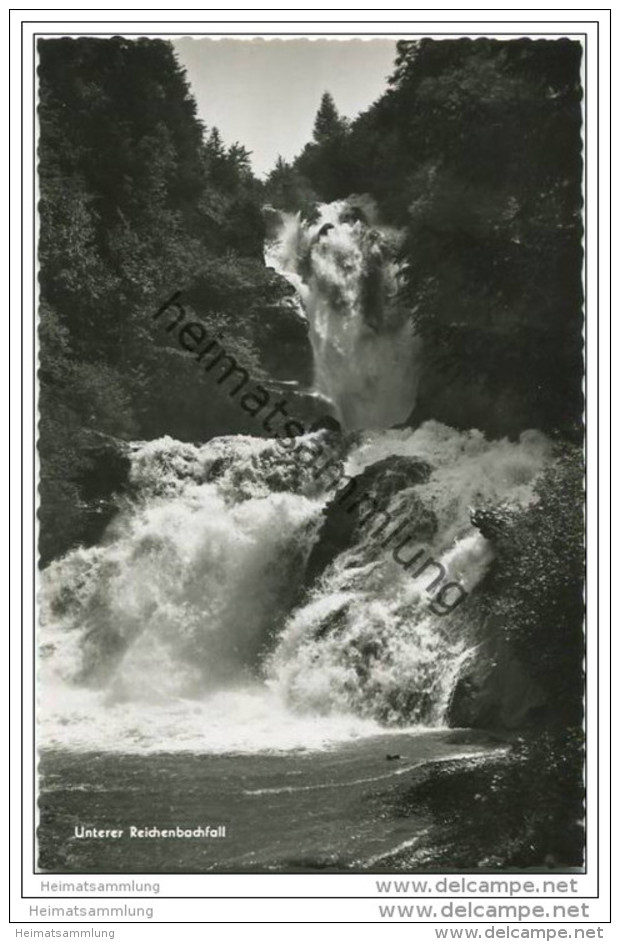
x=104 y=478
x=362 y=501
x=495 y=691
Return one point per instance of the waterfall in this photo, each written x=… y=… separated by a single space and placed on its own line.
x=183 y=629
x=369 y=637
x=344 y=268
x=194 y=624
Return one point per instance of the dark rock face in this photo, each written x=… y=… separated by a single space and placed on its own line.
x=492 y=523
x=283 y=342
x=363 y=499
x=495 y=691
x=104 y=480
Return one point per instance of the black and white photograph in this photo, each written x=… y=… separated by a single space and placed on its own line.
x=311 y=320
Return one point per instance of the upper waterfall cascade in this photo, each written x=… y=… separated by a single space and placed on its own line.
x=345 y=269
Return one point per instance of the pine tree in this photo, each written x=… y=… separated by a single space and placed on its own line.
x=328 y=125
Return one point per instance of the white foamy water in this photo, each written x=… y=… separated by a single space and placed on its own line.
x=366 y=356
x=249 y=720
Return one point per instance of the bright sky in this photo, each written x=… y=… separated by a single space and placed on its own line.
x=264 y=93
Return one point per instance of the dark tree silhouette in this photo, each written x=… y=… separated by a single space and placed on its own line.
x=328 y=124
